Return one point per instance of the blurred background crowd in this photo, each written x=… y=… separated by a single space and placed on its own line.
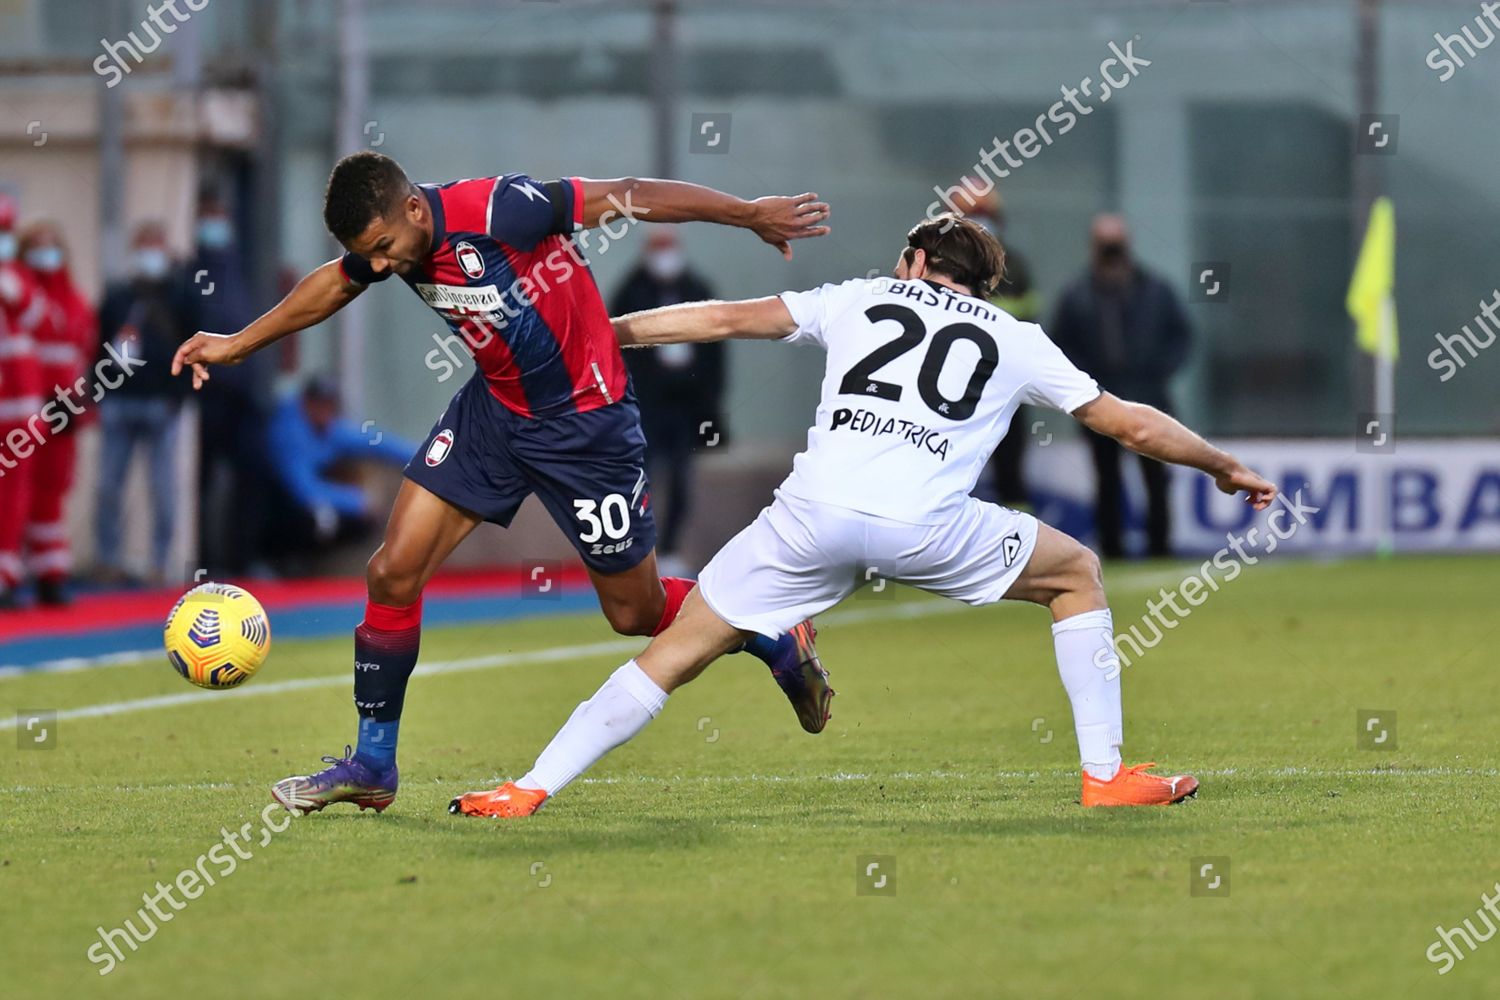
x=154 y=182
x=273 y=477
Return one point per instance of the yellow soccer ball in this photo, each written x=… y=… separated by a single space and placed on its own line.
x=217 y=636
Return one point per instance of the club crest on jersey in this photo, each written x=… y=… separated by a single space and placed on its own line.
x=1010 y=547
x=470 y=259
x=443 y=443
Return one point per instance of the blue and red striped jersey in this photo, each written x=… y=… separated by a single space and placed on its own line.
x=504 y=275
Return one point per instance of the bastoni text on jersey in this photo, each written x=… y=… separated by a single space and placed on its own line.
x=873 y=424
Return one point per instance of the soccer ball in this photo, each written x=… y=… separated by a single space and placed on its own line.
x=217 y=636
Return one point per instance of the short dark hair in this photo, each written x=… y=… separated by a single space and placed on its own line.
x=321 y=389
x=960 y=249
x=363 y=187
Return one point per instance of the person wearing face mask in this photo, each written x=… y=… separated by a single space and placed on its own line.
x=64 y=343
x=1127 y=326
x=23 y=310
x=680 y=386
x=235 y=407
x=141 y=318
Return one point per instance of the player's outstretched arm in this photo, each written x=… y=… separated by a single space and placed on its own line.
x=777 y=220
x=317 y=296
x=1150 y=432
x=703 y=322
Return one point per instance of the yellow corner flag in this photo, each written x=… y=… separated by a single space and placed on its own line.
x=1372 y=291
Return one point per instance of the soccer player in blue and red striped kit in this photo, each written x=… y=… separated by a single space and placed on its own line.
x=549 y=410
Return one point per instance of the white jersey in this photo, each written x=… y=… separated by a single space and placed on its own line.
x=920 y=386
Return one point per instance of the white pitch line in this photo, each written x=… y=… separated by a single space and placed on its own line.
x=1127 y=581
x=549 y=655
x=73 y=664
x=852 y=616
x=303 y=684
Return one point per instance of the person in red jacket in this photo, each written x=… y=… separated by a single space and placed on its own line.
x=22 y=310
x=64 y=343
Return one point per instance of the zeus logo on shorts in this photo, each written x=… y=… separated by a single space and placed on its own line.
x=1010 y=547
x=440 y=447
x=470 y=259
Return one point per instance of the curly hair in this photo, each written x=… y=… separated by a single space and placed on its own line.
x=363 y=187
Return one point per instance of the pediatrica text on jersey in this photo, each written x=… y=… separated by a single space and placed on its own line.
x=915 y=434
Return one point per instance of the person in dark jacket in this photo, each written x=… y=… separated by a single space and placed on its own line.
x=234 y=407
x=141 y=318
x=1017 y=296
x=1127 y=327
x=680 y=387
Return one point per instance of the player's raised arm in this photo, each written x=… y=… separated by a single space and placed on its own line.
x=777 y=220
x=1150 y=432
x=317 y=296
x=703 y=322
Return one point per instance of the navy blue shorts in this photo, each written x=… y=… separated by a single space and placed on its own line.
x=589 y=469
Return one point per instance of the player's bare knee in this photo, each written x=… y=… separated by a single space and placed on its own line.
x=389 y=583
x=1085 y=575
x=631 y=619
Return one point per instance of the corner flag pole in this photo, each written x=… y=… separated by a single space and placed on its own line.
x=1385 y=357
x=1385 y=403
x=1371 y=302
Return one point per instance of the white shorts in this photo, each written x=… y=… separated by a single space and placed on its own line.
x=799 y=558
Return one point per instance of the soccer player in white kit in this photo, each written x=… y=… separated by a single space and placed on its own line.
x=922 y=378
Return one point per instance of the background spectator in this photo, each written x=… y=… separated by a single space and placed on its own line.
x=680 y=386
x=65 y=343
x=1016 y=296
x=1125 y=326
x=316 y=453
x=22 y=312
x=141 y=316
x=234 y=406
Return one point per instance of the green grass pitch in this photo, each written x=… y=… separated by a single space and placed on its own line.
x=721 y=854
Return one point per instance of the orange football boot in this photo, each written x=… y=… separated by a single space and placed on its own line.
x=1132 y=786
x=507 y=801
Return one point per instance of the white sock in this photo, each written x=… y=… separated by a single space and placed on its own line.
x=617 y=711
x=1090 y=672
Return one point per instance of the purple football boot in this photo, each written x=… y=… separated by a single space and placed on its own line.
x=796 y=667
x=347 y=780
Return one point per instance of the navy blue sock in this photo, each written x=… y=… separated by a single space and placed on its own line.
x=762 y=647
x=385 y=654
x=377 y=743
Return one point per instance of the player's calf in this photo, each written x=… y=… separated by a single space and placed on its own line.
x=631 y=697
x=1064 y=576
x=636 y=601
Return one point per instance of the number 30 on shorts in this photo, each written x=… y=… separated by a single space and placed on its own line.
x=607 y=518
